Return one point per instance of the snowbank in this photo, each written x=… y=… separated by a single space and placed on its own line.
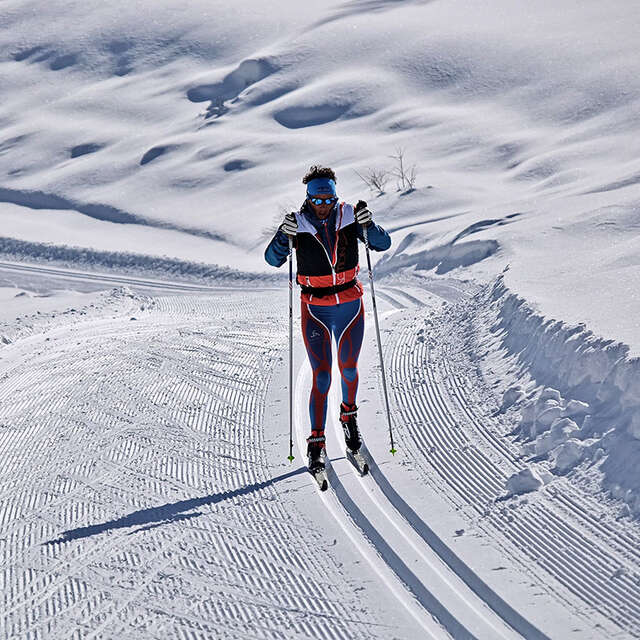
x=24 y=312
x=582 y=407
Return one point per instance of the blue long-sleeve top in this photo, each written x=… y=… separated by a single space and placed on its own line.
x=278 y=249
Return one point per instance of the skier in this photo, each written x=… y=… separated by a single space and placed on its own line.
x=325 y=233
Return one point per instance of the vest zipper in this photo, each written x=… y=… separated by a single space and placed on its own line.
x=333 y=269
x=326 y=253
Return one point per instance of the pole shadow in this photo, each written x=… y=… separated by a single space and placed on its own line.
x=165 y=514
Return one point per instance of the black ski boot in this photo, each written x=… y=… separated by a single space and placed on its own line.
x=315 y=452
x=348 y=418
x=315 y=455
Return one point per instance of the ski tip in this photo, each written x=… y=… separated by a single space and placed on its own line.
x=324 y=486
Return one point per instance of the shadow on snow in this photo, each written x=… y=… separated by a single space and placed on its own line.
x=174 y=512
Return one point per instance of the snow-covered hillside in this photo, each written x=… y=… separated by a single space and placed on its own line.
x=156 y=146
x=189 y=125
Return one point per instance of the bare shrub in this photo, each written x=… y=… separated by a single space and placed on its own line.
x=405 y=175
x=375 y=179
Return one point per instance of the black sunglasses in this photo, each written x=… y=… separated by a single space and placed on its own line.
x=318 y=201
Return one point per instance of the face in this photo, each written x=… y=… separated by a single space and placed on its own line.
x=321 y=210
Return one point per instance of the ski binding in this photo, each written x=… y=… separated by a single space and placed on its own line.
x=320 y=476
x=358 y=461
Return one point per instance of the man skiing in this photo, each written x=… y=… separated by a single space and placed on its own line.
x=325 y=234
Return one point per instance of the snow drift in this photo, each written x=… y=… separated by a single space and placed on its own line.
x=579 y=401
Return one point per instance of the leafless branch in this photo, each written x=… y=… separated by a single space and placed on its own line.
x=375 y=179
x=405 y=175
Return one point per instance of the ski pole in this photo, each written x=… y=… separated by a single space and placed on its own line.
x=375 y=316
x=290 y=456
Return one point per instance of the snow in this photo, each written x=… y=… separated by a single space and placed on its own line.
x=504 y=112
x=523 y=482
x=149 y=150
x=589 y=389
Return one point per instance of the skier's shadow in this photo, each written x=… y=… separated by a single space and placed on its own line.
x=158 y=516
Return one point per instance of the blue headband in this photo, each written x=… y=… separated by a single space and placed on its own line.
x=321 y=186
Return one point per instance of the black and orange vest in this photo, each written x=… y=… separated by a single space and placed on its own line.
x=329 y=276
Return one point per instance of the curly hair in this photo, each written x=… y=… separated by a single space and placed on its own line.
x=317 y=171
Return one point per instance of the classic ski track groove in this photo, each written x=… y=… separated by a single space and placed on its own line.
x=365 y=503
x=167 y=428
x=425 y=393
x=468 y=587
x=348 y=520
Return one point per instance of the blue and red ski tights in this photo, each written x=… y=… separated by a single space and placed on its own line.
x=345 y=322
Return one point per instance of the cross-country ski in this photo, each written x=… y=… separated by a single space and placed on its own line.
x=320 y=476
x=358 y=461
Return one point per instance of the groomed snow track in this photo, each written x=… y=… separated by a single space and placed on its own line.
x=591 y=563
x=425 y=576
x=138 y=494
x=136 y=498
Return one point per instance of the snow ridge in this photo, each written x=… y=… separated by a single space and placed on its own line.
x=23 y=251
x=585 y=407
x=460 y=436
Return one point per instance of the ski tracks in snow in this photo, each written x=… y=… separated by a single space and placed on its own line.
x=136 y=498
x=587 y=564
x=374 y=519
x=441 y=593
